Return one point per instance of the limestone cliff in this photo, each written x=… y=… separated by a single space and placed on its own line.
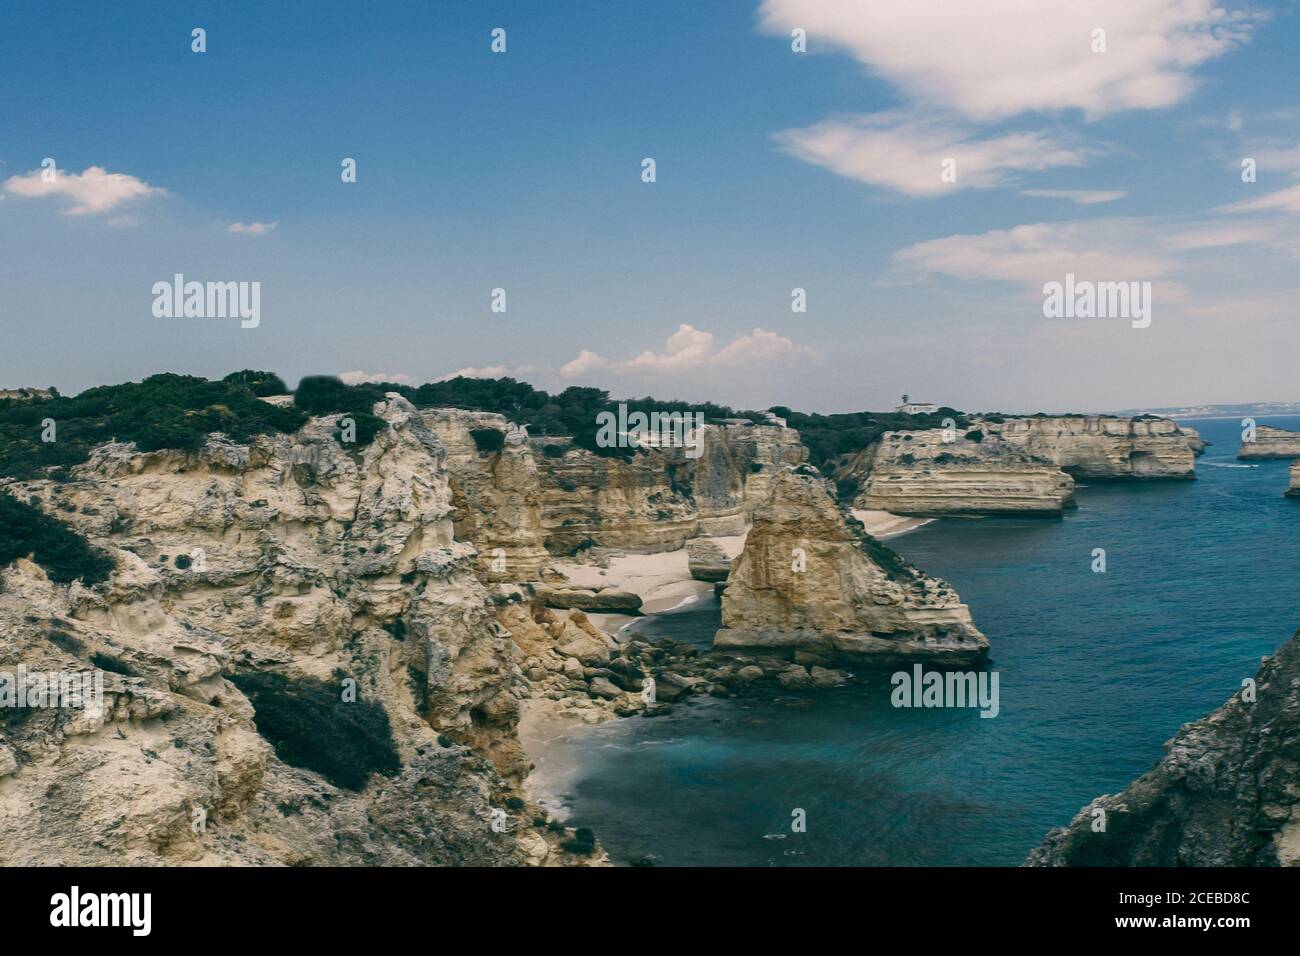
x=937 y=473
x=1100 y=447
x=1226 y=793
x=1293 y=490
x=998 y=465
x=495 y=492
x=658 y=498
x=810 y=584
x=298 y=654
x=734 y=472
x=1270 y=442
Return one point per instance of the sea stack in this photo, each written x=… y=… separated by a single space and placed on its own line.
x=1293 y=491
x=1227 y=792
x=1269 y=442
x=811 y=585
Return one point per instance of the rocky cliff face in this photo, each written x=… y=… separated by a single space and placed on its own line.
x=1012 y=466
x=496 y=493
x=658 y=499
x=1271 y=443
x=1096 y=447
x=1293 y=490
x=919 y=473
x=298 y=654
x=734 y=473
x=811 y=585
x=1227 y=792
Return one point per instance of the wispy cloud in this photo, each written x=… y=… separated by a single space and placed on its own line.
x=909 y=155
x=252 y=228
x=1080 y=197
x=90 y=192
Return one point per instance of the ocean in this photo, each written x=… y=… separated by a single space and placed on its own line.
x=1096 y=671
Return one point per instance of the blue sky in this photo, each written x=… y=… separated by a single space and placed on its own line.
x=775 y=170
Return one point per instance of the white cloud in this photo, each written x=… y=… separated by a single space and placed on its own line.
x=1283 y=200
x=690 y=349
x=252 y=228
x=490 y=371
x=586 y=361
x=1032 y=254
x=889 y=149
x=1080 y=197
x=91 y=192
x=1217 y=236
x=358 y=377
x=996 y=58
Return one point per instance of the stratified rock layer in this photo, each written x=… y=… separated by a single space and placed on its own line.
x=1225 y=793
x=659 y=498
x=1270 y=442
x=937 y=473
x=1023 y=466
x=811 y=584
x=1100 y=447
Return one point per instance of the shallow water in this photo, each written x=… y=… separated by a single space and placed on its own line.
x=1096 y=671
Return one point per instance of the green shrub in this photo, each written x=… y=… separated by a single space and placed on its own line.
x=259 y=383
x=163 y=411
x=310 y=726
x=63 y=553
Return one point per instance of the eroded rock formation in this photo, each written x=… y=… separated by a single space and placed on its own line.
x=810 y=584
x=495 y=492
x=1293 y=489
x=1022 y=466
x=257 y=587
x=1270 y=442
x=1226 y=793
x=933 y=473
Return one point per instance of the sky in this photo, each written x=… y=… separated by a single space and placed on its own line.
x=1114 y=156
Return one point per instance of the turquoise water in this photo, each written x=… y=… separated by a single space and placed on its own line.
x=1096 y=672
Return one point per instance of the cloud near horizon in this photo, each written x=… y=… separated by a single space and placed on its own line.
x=93 y=191
x=690 y=349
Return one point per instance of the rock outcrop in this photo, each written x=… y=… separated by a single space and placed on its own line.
x=934 y=473
x=495 y=492
x=1293 y=490
x=1022 y=466
x=706 y=560
x=301 y=666
x=1270 y=442
x=811 y=585
x=658 y=499
x=1226 y=793
x=734 y=472
x=1099 y=447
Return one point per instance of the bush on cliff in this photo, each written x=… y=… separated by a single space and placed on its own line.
x=259 y=383
x=63 y=554
x=310 y=726
x=163 y=411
